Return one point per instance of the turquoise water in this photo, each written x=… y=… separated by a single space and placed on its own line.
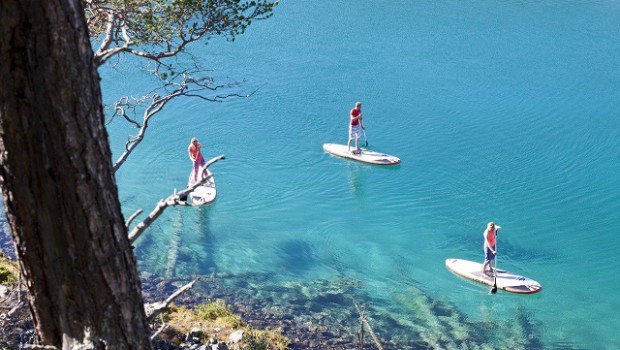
x=504 y=111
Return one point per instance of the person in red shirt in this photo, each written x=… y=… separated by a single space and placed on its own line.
x=489 y=247
x=354 y=127
x=196 y=157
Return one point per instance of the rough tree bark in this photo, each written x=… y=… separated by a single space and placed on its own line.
x=58 y=185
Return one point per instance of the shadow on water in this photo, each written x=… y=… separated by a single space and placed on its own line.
x=196 y=253
x=146 y=246
x=207 y=241
x=178 y=245
x=175 y=242
x=296 y=256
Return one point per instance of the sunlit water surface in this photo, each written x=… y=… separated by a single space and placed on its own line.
x=499 y=111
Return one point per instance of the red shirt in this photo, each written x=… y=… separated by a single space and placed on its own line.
x=195 y=154
x=491 y=237
x=355 y=113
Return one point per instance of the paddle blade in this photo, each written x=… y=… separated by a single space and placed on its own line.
x=494 y=288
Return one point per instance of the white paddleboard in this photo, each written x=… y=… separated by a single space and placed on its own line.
x=366 y=156
x=204 y=194
x=506 y=280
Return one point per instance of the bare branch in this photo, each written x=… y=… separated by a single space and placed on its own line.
x=158 y=332
x=372 y=334
x=107 y=40
x=156 y=105
x=124 y=103
x=125 y=35
x=180 y=84
x=132 y=217
x=157 y=308
x=172 y=200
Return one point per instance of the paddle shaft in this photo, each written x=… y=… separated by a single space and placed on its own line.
x=365 y=138
x=494 y=288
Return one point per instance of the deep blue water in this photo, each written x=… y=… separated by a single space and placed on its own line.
x=504 y=111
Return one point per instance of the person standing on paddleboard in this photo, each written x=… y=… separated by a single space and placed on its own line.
x=489 y=247
x=354 y=127
x=196 y=157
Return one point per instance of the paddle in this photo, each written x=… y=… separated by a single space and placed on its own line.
x=494 y=288
x=365 y=139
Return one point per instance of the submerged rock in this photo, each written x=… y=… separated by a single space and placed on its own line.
x=236 y=336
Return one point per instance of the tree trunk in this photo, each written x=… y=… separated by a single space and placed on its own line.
x=59 y=190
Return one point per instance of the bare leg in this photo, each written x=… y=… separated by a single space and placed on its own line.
x=484 y=266
x=196 y=166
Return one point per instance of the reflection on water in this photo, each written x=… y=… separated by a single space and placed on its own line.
x=354 y=175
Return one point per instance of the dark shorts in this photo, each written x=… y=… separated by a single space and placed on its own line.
x=200 y=163
x=488 y=254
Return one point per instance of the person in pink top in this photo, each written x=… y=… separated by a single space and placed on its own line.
x=489 y=247
x=195 y=156
x=355 y=122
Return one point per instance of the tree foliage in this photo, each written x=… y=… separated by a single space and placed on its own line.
x=157 y=29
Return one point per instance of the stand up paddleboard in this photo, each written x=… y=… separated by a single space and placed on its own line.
x=506 y=280
x=204 y=194
x=366 y=156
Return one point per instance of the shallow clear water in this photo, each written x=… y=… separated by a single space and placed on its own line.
x=499 y=111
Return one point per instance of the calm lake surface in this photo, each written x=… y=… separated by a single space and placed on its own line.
x=503 y=111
